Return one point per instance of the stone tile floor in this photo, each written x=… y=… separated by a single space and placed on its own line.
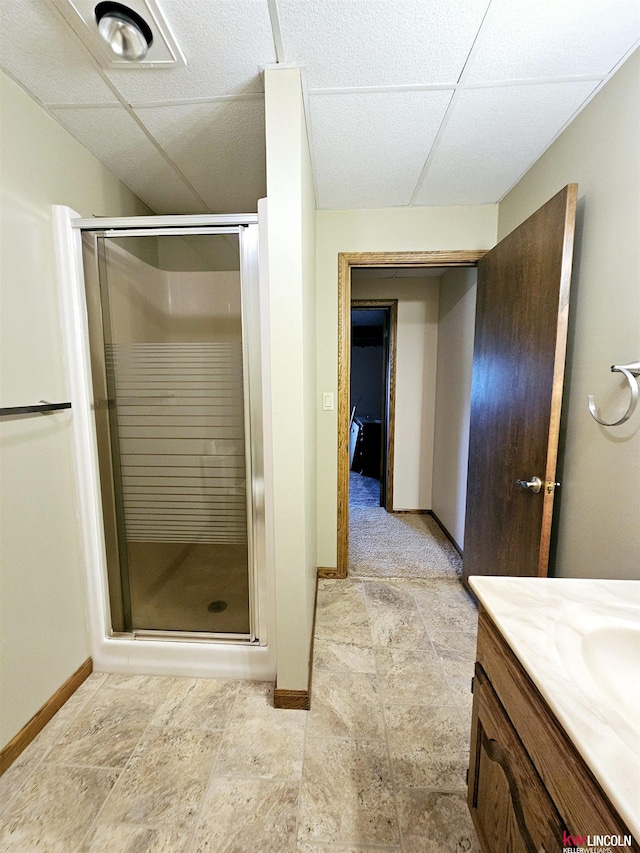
x=136 y=764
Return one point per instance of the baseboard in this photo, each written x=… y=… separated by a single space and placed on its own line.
x=291 y=699
x=40 y=719
x=446 y=532
x=326 y=573
x=412 y=511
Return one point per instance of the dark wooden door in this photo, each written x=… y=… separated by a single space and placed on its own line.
x=518 y=367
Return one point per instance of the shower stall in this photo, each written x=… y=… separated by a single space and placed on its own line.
x=165 y=334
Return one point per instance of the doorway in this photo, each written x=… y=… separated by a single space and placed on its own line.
x=347 y=262
x=372 y=401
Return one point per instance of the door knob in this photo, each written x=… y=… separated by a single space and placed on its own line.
x=534 y=484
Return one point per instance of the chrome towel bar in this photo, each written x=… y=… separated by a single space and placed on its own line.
x=41 y=407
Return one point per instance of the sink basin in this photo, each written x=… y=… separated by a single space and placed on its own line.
x=600 y=645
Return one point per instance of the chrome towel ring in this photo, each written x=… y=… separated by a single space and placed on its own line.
x=630 y=371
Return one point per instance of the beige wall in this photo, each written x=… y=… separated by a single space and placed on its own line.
x=417 y=346
x=291 y=243
x=598 y=530
x=395 y=229
x=456 y=322
x=43 y=632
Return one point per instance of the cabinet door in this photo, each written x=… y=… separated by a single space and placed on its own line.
x=510 y=807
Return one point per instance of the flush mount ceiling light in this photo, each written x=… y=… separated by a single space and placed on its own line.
x=136 y=33
x=126 y=33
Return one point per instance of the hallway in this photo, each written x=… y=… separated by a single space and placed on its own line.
x=404 y=544
x=180 y=765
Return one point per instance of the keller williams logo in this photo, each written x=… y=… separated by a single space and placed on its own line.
x=594 y=842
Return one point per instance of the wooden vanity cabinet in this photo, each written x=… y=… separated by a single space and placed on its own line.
x=511 y=808
x=528 y=785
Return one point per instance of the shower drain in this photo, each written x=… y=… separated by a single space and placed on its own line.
x=217 y=606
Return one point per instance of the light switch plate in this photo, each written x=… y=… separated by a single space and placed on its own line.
x=327 y=401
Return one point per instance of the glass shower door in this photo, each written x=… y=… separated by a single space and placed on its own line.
x=169 y=370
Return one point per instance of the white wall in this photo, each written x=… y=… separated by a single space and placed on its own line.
x=416 y=356
x=598 y=530
x=43 y=631
x=291 y=245
x=456 y=322
x=394 y=229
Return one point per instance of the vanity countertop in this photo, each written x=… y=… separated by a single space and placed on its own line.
x=578 y=641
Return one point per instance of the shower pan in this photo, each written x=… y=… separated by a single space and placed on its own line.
x=164 y=329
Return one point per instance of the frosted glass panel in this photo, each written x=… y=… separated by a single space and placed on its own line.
x=181 y=428
x=171 y=312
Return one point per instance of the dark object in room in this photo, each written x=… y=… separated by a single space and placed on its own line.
x=367 y=456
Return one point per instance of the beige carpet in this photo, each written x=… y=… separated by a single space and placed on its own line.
x=382 y=544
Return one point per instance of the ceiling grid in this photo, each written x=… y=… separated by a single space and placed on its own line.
x=447 y=115
x=418 y=102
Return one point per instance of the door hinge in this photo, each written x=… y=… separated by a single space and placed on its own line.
x=466 y=778
x=473 y=683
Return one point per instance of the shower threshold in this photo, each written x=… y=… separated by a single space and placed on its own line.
x=186 y=636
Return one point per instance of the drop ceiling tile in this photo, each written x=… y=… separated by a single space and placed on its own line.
x=492 y=136
x=554 y=38
x=224 y=43
x=39 y=49
x=115 y=139
x=368 y=149
x=220 y=148
x=347 y=43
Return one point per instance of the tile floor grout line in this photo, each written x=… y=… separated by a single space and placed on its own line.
x=455 y=705
x=342 y=738
x=440 y=666
x=192 y=836
x=394 y=783
x=255 y=776
x=394 y=786
x=75 y=766
x=348 y=847
x=446 y=677
x=121 y=771
x=42 y=760
x=296 y=840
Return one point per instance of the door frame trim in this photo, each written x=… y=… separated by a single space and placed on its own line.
x=347 y=261
x=390 y=388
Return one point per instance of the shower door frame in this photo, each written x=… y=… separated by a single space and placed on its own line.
x=179 y=653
